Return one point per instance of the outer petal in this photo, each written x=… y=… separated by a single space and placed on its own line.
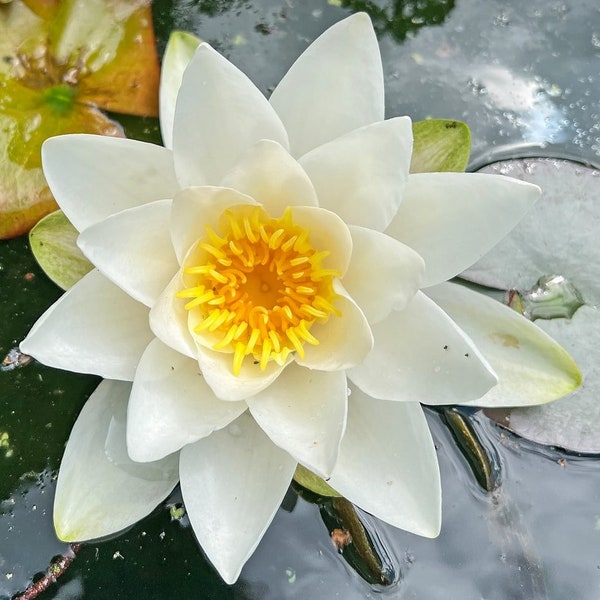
x=94 y=176
x=218 y=116
x=217 y=370
x=384 y=274
x=453 y=219
x=93 y=328
x=361 y=176
x=133 y=249
x=304 y=412
x=179 y=52
x=327 y=232
x=344 y=341
x=194 y=208
x=532 y=368
x=233 y=483
x=169 y=319
x=388 y=465
x=100 y=489
x=271 y=176
x=171 y=405
x=420 y=354
x=335 y=86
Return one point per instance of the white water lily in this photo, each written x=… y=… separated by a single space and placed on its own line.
x=256 y=302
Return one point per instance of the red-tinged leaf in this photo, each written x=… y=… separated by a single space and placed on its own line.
x=62 y=61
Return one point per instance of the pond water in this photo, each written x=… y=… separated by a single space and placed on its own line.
x=525 y=79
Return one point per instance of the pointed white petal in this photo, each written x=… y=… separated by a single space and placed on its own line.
x=93 y=328
x=100 y=490
x=217 y=368
x=421 y=355
x=361 y=176
x=453 y=219
x=180 y=49
x=219 y=115
x=171 y=405
x=304 y=412
x=232 y=484
x=272 y=177
x=133 y=249
x=388 y=465
x=384 y=274
x=335 y=86
x=95 y=176
x=169 y=319
x=532 y=368
x=196 y=207
x=344 y=341
x=327 y=232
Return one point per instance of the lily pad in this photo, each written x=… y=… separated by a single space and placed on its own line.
x=54 y=244
x=556 y=243
x=440 y=145
x=558 y=236
x=62 y=63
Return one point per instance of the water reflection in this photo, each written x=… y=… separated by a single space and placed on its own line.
x=402 y=18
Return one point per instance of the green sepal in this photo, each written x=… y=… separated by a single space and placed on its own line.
x=307 y=479
x=54 y=244
x=440 y=145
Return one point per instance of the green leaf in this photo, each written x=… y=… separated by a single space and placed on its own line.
x=440 y=145
x=314 y=483
x=53 y=243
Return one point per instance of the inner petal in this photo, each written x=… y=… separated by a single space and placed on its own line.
x=255 y=286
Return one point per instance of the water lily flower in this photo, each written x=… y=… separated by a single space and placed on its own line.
x=256 y=303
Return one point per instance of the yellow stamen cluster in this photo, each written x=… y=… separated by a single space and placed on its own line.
x=256 y=286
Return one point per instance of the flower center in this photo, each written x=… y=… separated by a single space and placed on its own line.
x=256 y=286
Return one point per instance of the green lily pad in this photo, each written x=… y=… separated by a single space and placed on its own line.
x=556 y=243
x=440 y=145
x=62 y=63
x=54 y=244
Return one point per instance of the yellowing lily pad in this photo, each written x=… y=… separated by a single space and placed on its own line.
x=54 y=244
x=62 y=62
x=440 y=145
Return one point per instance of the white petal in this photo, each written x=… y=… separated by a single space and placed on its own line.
x=421 y=355
x=532 y=368
x=217 y=370
x=169 y=319
x=219 y=115
x=133 y=249
x=95 y=176
x=180 y=49
x=232 y=484
x=272 y=177
x=100 y=490
x=335 y=86
x=196 y=207
x=388 y=465
x=361 y=176
x=344 y=341
x=93 y=328
x=384 y=274
x=171 y=405
x=327 y=232
x=453 y=219
x=304 y=412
